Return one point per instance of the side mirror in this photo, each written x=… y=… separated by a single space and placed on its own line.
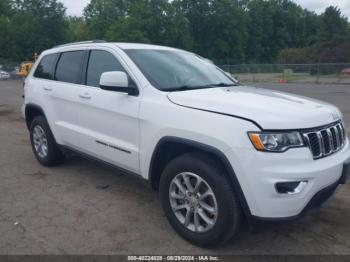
x=117 y=81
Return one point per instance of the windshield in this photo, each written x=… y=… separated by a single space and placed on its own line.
x=169 y=70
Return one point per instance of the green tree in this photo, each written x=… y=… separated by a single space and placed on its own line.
x=101 y=14
x=5 y=8
x=275 y=25
x=334 y=28
x=226 y=31
x=77 y=30
x=126 y=30
x=157 y=22
x=5 y=29
x=294 y=56
x=36 y=25
x=218 y=28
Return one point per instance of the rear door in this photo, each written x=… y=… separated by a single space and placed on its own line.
x=62 y=97
x=41 y=87
x=108 y=120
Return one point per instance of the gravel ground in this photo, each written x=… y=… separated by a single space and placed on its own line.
x=82 y=207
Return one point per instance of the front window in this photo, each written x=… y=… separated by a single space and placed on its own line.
x=99 y=62
x=169 y=70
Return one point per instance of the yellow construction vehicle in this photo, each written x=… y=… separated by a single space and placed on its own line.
x=26 y=66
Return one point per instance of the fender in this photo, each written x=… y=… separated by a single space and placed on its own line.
x=26 y=112
x=232 y=178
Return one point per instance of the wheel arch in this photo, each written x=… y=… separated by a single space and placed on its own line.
x=170 y=147
x=31 y=111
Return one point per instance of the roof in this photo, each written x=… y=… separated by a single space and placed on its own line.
x=123 y=46
x=142 y=46
x=97 y=43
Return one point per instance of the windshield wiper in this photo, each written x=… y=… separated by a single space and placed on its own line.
x=184 y=88
x=222 y=85
x=187 y=87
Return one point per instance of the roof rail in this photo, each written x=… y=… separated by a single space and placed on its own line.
x=83 y=42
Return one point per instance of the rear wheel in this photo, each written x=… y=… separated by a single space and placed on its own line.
x=198 y=201
x=43 y=143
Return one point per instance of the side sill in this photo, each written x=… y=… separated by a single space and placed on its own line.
x=112 y=167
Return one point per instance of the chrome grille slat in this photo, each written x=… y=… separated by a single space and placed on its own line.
x=335 y=141
x=337 y=135
x=320 y=142
x=326 y=141
x=331 y=140
x=343 y=132
x=340 y=134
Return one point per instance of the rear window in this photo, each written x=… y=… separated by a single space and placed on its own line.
x=69 y=67
x=46 y=67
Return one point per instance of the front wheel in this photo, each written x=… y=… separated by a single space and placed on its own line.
x=198 y=201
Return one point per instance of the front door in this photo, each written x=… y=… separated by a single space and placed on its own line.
x=108 y=121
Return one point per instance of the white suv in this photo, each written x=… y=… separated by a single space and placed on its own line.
x=218 y=152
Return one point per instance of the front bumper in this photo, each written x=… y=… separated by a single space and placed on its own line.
x=259 y=172
x=317 y=200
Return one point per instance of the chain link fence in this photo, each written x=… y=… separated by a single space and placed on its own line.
x=250 y=73
x=291 y=73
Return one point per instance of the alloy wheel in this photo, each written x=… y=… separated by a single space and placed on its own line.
x=40 y=142
x=193 y=202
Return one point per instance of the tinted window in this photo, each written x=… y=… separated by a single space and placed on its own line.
x=69 y=67
x=100 y=62
x=46 y=68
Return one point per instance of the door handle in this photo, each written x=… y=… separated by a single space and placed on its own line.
x=48 y=88
x=85 y=96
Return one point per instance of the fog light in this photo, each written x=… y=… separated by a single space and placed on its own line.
x=291 y=188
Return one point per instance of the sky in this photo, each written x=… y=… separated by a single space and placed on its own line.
x=75 y=7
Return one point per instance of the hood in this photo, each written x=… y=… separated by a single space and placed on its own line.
x=269 y=109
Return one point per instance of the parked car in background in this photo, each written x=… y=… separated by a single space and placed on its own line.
x=346 y=72
x=4 y=75
x=218 y=152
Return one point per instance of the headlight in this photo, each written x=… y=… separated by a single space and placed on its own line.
x=275 y=142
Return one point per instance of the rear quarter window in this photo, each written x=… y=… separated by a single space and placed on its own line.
x=46 y=67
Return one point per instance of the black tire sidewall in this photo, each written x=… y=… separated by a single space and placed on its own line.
x=53 y=154
x=229 y=212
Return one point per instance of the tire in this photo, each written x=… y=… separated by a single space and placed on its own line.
x=225 y=219
x=48 y=154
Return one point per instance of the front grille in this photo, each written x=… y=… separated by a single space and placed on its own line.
x=326 y=141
